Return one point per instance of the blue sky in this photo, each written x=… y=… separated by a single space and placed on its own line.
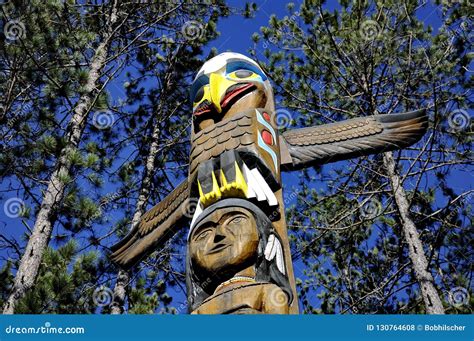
x=236 y=33
x=235 y=36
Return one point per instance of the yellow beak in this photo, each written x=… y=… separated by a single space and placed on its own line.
x=218 y=84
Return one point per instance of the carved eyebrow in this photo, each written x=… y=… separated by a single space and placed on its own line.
x=242 y=65
x=211 y=222
x=197 y=84
x=233 y=214
x=206 y=225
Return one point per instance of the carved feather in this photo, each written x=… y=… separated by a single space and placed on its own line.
x=327 y=143
x=157 y=226
x=274 y=250
x=225 y=135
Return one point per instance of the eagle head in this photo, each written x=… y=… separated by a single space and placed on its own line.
x=227 y=84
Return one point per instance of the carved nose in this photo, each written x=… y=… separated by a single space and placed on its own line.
x=218 y=237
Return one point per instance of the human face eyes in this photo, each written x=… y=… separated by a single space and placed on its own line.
x=203 y=234
x=236 y=220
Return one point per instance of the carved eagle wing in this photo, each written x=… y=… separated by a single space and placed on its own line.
x=156 y=226
x=332 y=142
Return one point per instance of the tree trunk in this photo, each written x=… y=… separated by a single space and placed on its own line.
x=30 y=261
x=417 y=255
x=123 y=277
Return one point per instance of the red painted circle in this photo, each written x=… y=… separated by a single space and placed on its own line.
x=266 y=116
x=267 y=137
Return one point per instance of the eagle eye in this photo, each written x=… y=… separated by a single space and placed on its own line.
x=243 y=73
x=199 y=95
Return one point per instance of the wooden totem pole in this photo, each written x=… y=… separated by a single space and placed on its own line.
x=238 y=257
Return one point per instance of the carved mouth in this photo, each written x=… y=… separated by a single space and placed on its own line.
x=235 y=92
x=203 y=108
x=232 y=94
x=218 y=248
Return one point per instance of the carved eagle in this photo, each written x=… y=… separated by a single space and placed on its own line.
x=233 y=106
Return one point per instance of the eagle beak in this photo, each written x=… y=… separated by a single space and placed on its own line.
x=218 y=84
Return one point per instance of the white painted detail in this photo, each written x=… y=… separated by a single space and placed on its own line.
x=280 y=261
x=271 y=198
x=247 y=175
x=252 y=183
x=197 y=212
x=275 y=250
x=218 y=62
x=269 y=250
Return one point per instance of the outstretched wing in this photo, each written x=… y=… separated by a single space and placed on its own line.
x=157 y=226
x=332 y=142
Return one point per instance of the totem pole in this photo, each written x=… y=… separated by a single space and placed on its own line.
x=238 y=256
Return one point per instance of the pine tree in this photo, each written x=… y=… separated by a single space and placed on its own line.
x=66 y=80
x=366 y=236
x=168 y=127
x=41 y=233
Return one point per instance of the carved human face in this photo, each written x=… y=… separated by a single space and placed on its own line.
x=225 y=242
